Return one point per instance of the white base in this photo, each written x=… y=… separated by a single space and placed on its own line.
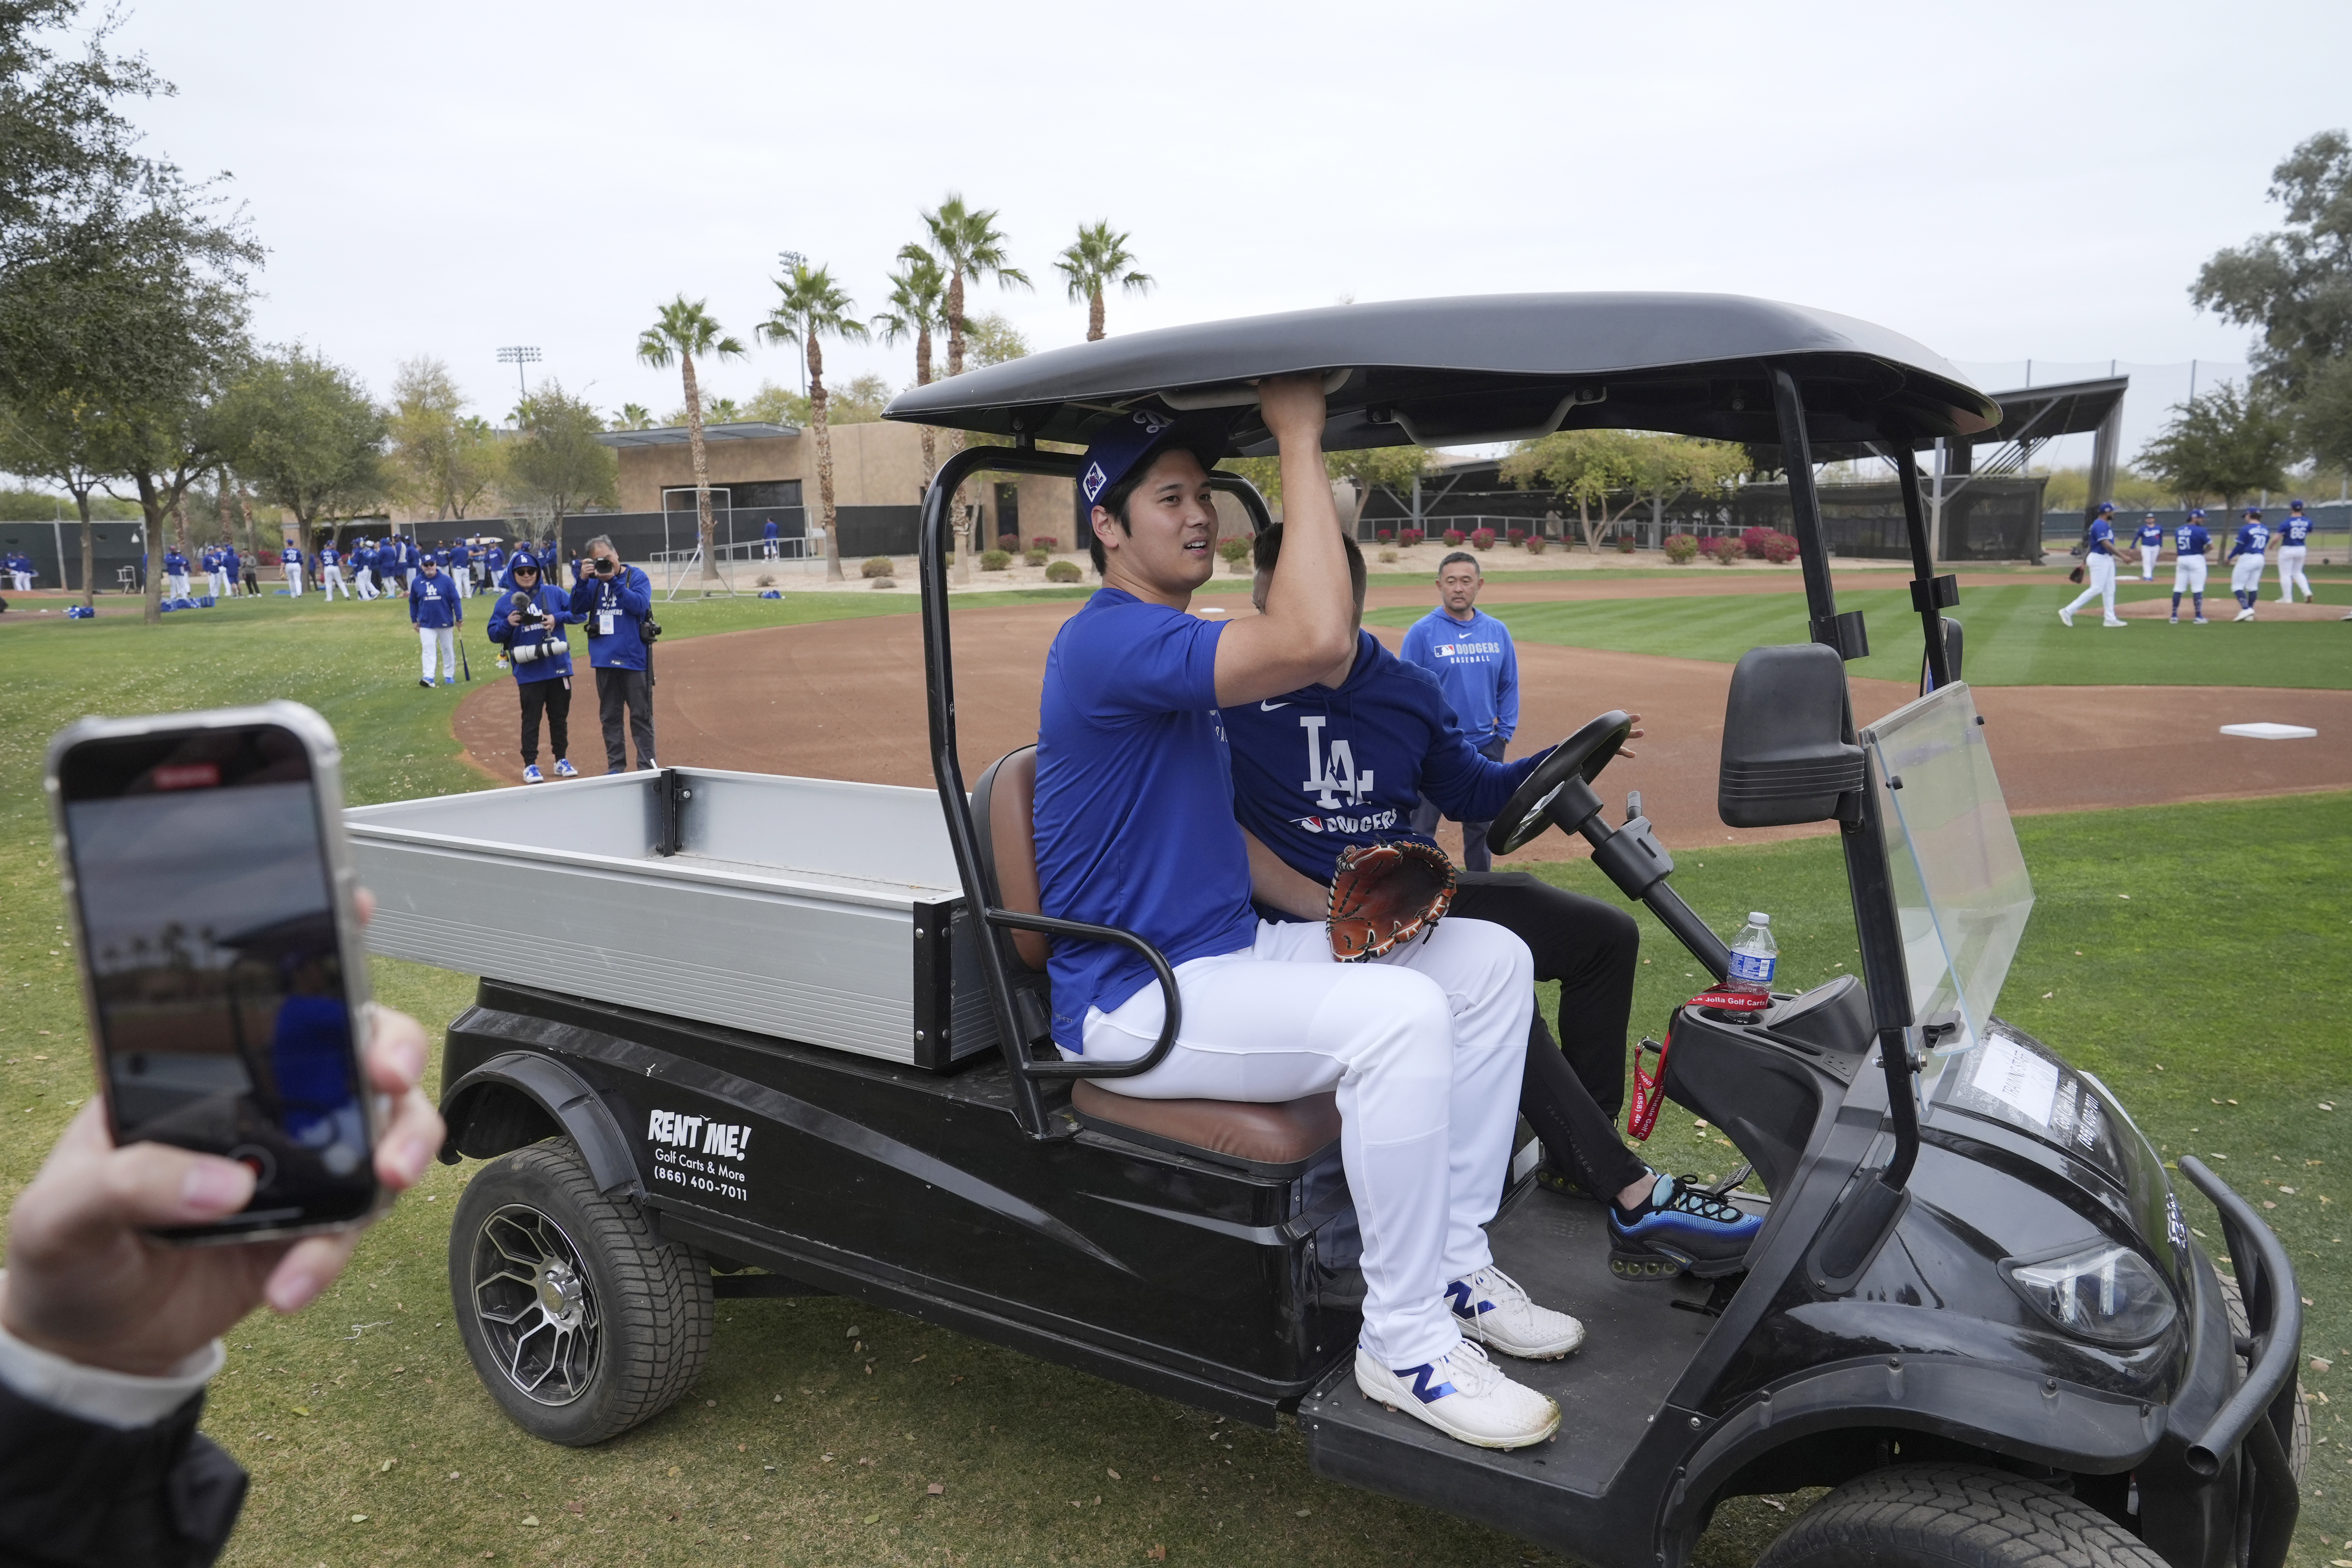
x=2271 y=732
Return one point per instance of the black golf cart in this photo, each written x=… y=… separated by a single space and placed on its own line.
x=1976 y=1307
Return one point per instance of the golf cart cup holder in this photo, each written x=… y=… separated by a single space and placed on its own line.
x=1787 y=758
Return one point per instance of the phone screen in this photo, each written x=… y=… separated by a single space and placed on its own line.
x=223 y=1020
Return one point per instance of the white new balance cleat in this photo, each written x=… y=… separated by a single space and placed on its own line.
x=2067 y=616
x=2244 y=616
x=1495 y=1309
x=1464 y=1395
x=2114 y=621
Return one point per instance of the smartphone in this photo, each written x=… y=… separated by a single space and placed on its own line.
x=222 y=966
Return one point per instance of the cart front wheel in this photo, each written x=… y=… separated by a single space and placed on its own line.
x=1953 y=1516
x=580 y=1321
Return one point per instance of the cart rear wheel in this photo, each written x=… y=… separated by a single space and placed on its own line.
x=580 y=1321
x=1953 y=1516
x=2298 y=1447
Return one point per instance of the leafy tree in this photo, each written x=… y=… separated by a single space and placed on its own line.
x=1390 y=468
x=2222 y=445
x=1608 y=473
x=919 y=293
x=305 y=432
x=556 y=465
x=61 y=439
x=1099 y=260
x=812 y=308
x=992 y=338
x=967 y=247
x=780 y=405
x=682 y=329
x=2294 y=286
x=442 y=459
x=2327 y=413
x=2069 y=489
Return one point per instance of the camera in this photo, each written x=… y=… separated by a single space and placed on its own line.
x=649 y=629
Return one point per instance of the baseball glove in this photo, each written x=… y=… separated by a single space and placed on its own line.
x=1384 y=895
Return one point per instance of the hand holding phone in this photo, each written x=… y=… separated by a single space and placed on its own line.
x=84 y=1279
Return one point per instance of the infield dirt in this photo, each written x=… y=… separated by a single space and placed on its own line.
x=843 y=699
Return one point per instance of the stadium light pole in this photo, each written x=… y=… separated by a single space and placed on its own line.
x=519 y=356
x=788 y=260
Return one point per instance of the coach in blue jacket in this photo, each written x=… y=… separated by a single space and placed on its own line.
x=1477 y=665
x=1344 y=762
x=529 y=619
x=617 y=602
x=436 y=613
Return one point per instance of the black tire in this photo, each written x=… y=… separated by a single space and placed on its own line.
x=2298 y=1447
x=1953 y=1516
x=580 y=1322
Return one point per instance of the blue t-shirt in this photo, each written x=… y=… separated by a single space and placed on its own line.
x=1320 y=768
x=2252 y=539
x=2150 y=533
x=1135 y=801
x=2102 y=537
x=1476 y=666
x=2191 y=538
x=2294 y=528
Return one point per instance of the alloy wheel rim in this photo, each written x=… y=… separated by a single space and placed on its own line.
x=538 y=1314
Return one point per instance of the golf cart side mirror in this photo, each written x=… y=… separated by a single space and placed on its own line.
x=1786 y=759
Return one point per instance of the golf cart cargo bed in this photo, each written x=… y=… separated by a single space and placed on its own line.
x=806 y=909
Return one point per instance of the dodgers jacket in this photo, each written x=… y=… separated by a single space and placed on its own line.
x=1477 y=665
x=627 y=596
x=1320 y=768
x=433 y=601
x=549 y=666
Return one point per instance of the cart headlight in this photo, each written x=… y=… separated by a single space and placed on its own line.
x=2101 y=1291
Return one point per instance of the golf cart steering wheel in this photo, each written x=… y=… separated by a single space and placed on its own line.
x=1575 y=761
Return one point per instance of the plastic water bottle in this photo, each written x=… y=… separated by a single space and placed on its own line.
x=1753 y=957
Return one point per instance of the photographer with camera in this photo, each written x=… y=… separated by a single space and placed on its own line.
x=618 y=603
x=530 y=621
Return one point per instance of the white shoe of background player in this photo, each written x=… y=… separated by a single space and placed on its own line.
x=2244 y=616
x=2111 y=621
x=1494 y=1309
x=2067 y=616
x=1464 y=1395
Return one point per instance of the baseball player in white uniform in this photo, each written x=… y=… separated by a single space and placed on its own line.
x=331 y=572
x=2246 y=563
x=2295 y=549
x=2190 y=543
x=2099 y=567
x=2151 y=545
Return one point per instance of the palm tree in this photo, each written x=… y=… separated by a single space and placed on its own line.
x=633 y=416
x=811 y=309
x=1099 y=261
x=918 y=307
x=967 y=247
x=682 y=329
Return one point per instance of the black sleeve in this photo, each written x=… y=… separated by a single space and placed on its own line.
x=80 y=1494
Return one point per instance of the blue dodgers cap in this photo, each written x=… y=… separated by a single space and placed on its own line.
x=2253 y=511
x=2295 y=505
x=2197 y=512
x=2106 y=506
x=522 y=561
x=1120 y=448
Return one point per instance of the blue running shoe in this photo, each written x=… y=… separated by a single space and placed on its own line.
x=1679 y=1227
x=531 y=774
x=565 y=770
x=448 y=681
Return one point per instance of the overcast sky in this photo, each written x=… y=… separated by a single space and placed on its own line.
x=2002 y=181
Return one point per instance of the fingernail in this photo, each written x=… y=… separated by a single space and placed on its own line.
x=292 y=1293
x=415 y=1155
x=216 y=1186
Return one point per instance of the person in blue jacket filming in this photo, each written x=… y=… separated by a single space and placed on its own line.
x=529 y=619
x=616 y=601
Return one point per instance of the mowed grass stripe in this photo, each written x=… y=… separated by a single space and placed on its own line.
x=2013 y=637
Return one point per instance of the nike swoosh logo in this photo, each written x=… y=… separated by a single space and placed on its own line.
x=1270 y=707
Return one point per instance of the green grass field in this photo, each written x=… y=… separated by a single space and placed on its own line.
x=2013 y=637
x=2215 y=981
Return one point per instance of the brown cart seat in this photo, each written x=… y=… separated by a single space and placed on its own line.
x=1230 y=1131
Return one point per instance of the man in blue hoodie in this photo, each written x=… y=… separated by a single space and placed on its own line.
x=530 y=620
x=1378 y=736
x=434 y=611
x=616 y=601
x=1471 y=654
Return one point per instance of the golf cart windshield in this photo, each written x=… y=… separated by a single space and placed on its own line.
x=1960 y=885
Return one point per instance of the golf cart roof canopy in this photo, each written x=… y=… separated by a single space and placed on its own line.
x=1494 y=367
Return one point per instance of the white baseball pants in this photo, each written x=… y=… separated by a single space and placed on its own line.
x=332 y=578
x=1425 y=1048
x=2246 y=574
x=2290 y=570
x=363 y=584
x=217 y=581
x=2147 y=561
x=2099 y=573
x=294 y=581
x=2189 y=574
x=444 y=639
x=179 y=581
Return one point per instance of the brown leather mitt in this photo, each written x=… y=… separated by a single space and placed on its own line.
x=1384 y=895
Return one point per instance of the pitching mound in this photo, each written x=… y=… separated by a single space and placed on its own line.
x=2219 y=609
x=845 y=699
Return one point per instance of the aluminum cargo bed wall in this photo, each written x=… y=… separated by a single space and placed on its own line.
x=819 y=924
